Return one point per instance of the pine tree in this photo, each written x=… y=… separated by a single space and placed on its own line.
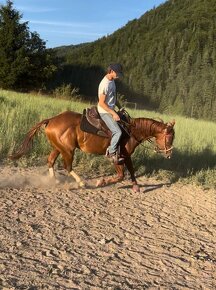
x=24 y=61
x=168 y=56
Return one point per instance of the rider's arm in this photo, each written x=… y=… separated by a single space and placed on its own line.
x=103 y=105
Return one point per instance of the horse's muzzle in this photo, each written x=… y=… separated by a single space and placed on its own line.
x=167 y=153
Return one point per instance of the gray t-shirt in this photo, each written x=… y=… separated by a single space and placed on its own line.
x=107 y=88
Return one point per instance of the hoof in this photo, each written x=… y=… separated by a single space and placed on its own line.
x=100 y=182
x=82 y=184
x=136 y=188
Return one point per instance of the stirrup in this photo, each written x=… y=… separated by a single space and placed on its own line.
x=115 y=158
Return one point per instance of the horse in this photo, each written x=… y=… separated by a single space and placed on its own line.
x=65 y=135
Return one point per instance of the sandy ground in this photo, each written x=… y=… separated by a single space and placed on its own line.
x=61 y=237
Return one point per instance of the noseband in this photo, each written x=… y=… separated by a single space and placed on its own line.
x=166 y=149
x=157 y=149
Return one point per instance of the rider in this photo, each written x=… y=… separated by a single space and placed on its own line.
x=106 y=105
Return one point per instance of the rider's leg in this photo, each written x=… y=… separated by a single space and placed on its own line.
x=115 y=129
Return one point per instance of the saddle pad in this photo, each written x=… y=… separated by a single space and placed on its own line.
x=89 y=128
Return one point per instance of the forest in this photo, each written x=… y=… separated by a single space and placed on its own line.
x=168 y=55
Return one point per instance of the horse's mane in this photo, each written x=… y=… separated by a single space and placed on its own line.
x=149 y=125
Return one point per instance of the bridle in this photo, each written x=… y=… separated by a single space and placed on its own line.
x=166 y=149
x=156 y=149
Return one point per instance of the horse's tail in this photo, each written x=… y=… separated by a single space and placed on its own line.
x=27 y=142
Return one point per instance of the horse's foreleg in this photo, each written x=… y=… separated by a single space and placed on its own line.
x=129 y=165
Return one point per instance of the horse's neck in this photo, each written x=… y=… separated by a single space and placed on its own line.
x=145 y=128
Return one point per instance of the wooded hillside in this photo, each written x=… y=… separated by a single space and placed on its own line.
x=168 y=55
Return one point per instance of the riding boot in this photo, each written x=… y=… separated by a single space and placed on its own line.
x=115 y=157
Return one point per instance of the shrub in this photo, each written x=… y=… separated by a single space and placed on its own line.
x=67 y=92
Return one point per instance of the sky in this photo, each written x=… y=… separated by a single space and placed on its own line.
x=70 y=22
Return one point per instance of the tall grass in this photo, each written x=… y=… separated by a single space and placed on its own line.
x=19 y=112
x=194 y=158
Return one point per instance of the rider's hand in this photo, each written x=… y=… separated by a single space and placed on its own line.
x=115 y=116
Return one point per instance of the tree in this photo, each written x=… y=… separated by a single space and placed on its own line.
x=168 y=55
x=24 y=61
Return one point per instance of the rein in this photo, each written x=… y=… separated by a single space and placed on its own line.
x=156 y=148
x=131 y=135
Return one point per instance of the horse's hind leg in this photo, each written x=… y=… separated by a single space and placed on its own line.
x=77 y=178
x=113 y=179
x=66 y=145
x=51 y=161
x=68 y=160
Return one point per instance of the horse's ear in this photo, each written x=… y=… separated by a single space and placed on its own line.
x=171 y=124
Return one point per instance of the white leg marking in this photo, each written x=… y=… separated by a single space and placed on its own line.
x=77 y=178
x=51 y=172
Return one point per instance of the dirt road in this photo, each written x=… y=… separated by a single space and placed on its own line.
x=61 y=237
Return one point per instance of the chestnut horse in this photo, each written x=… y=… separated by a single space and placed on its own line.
x=64 y=134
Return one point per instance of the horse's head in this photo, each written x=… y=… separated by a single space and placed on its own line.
x=164 y=140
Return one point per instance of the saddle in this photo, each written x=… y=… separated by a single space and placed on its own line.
x=91 y=122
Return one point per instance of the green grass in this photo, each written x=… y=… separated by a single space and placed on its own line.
x=193 y=160
x=19 y=112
